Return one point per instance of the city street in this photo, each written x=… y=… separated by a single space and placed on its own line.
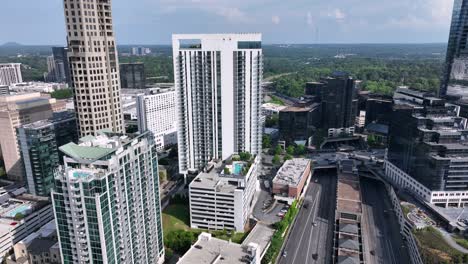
x=308 y=243
x=381 y=233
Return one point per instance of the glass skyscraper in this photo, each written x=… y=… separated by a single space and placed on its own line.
x=106 y=201
x=455 y=78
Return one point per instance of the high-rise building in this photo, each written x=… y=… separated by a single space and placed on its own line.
x=15 y=111
x=455 y=79
x=339 y=103
x=57 y=66
x=39 y=142
x=106 y=200
x=298 y=123
x=93 y=60
x=132 y=75
x=156 y=112
x=428 y=148
x=140 y=51
x=10 y=73
x=218 y=84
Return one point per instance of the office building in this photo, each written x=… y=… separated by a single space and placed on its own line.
x=378 y=110
x=39 y=247
x=94 y=66
x=157 y=114
x=223 y=195
x=455 y=78
x=298 y=123
x=132 y=75
x=140 y=51
x=218 y=85
x=339 y=103
x=38 y=143
x=106 y=200
x=10 y=73
x=58 y=69
x=291 y=178
x=428 y=148
x=15 y=111
x=21 y=215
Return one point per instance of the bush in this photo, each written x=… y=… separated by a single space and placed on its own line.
x=245 y=156
x=180 y=241
x=276 y=160
x=266 y=141
x=62 y=94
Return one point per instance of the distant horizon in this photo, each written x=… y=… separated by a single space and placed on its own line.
x=17 y=44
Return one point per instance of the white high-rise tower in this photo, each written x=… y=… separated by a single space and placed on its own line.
x=94 y=67
x=218 y=84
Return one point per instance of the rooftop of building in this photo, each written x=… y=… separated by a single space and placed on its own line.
x=15 y=205
x=57 y=117
x=210 y=250
x=96 y=147
x=223 y=175
x=273 y=106
x=292 y=172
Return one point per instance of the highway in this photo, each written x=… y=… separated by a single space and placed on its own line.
x=308 y=243
x=381 y=232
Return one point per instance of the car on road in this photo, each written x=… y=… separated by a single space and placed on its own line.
x=285 y=253
x=284 y=211
x=316 y=180
x=314 y=223
x=315 y=256
x=306 y=205
x=280 y=214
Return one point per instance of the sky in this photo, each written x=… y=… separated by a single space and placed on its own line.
x=42 y=22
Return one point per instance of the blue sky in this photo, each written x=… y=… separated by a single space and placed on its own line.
x=280 y=21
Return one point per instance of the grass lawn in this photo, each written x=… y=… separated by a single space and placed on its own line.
x=176 y=217
x=461 y=241
x=433 y=246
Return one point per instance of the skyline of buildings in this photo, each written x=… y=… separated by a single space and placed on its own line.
x=94 y=66
x=219 y=95
x=106 y=200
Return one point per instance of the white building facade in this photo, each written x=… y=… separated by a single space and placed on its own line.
x=220 y=200
x=157 y=113
x=10 y=73
x=106 y=201
x=94 y=65
x=218 y=86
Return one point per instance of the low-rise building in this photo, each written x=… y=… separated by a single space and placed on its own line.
x=10 y=73
x=209 y=250
x=21 y=214
x=291 y=178
x=39 y=247
x=223 y=195
x=298 y=123
x=270 y=109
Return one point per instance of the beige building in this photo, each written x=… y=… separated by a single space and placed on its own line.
x=94 y=66
x=17 y=110
x=39 y=247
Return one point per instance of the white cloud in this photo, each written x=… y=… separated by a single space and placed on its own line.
x=275 y=19
x=232 y=14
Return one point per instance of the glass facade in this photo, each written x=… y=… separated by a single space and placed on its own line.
x=111 y=214
x=455 y=78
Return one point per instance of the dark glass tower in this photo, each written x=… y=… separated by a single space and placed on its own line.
x=455 y=78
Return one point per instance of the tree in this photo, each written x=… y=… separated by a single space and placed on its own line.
x=266 y=141
x=276 y=160
x=227 y=171
x=290 y=150
x=371 y=140
x=62 y=94
x=287 y=157
x=278 y=150
x=272 y=121
x=245 y=156
x=179 y=240
x=300 y=150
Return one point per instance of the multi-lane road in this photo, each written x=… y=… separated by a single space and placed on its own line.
x=311 y=237
x=382 y=240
